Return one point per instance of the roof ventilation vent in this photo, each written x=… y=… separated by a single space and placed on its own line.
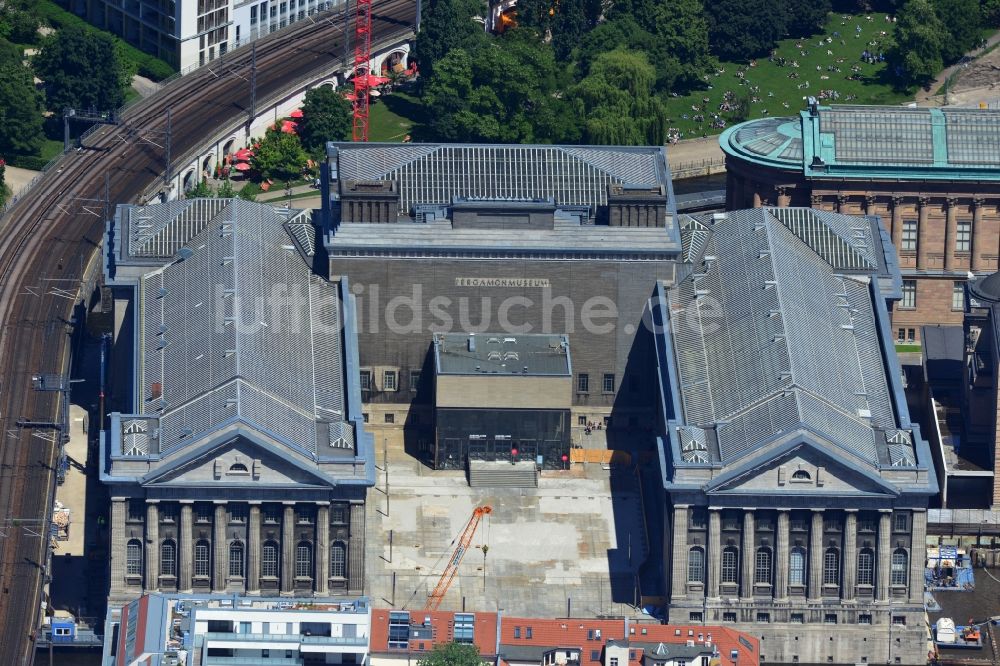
x=472 y=342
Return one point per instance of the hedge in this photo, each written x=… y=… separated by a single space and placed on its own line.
x=32 y=162
x=147 y=65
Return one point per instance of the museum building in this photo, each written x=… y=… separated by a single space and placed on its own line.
x=236 y=456
x=931 y=175
x=795 y=483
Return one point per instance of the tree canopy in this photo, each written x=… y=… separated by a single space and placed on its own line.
x=326 y=116
x=82 y=69
x=446 y=25
x=452 y=654
x=279 y=155
x=744 y=29
x=20 y=111
x=961 y=20
x=920 y=36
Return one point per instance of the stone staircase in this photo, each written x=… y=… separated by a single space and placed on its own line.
x=485 y=474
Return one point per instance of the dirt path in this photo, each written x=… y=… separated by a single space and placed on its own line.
x=979 y=73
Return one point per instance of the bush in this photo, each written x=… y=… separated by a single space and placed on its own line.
x=33 y=162
x=249 y=191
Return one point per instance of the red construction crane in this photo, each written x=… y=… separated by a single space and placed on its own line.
x=437 y=596
x=362 y=60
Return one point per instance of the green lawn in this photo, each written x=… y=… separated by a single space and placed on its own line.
x=903 y=349
x=774 y=93
x=50 y=148
x=394 y=116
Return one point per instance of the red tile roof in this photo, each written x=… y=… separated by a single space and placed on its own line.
x=442 y=631
x=725 y=638
x=571 y=632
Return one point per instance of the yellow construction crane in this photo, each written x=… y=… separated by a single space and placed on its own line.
x=437 y=596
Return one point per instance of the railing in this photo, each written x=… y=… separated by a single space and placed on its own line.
x=286 y=638
x=251 y=661
x=697 y=165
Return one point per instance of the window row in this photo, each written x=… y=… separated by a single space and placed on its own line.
x=763 y=569
x=799 y=521
x=963 y=236
x=607 y=383
x=204 y=512
x=270 y=558
x=909 y=299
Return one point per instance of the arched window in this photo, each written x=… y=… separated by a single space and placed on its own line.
x=762 y=566
x=133 y=558
x=236 y=559
x=797 y=566
x=168 y=558
x=898 y=574
x=269 y=560
x=303 y=560
x=338 y=559
x=801 y=475
x=201 y=565
x=866 y=566
x=831 y=567
x=696 y=565
x=238 y=468
x=730 y=565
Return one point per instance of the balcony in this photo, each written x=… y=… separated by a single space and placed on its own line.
x=287 y=638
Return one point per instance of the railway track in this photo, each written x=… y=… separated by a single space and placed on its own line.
x=47 y=239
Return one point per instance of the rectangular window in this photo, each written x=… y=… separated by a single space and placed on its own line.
x=963 y=236
x=389 y=380
x=364 y=416
x=613 y=661
x=909 y=294
x=517 y=632
x=271 y=513
x=764 y=617
x=595 y=655
x=900 y=522
x=366 y=380
x=399 y=629
x=909 y=240
x=237 y=513
x=911 y=334
x=864 y=618
x=608 y=385
x=465 y=625
x=729 y=617
x=868 y=525
x=136 y=511
x=694 y=617
x=899 y=620
x=527 y=632
x=798 y=618
x=202 y=512
x=583 y=383
x=830 y=618
x=958 y=295
x=414 y=379
x=581 y=420
x=390 y=417
x=901 y=335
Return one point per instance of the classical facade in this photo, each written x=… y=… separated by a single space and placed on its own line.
x=796 y=485
x=237 y=459
x=931 y=175
x=500 y=241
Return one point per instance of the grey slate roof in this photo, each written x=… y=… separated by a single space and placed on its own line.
x=234 y=328
x=775 y=329
x=437 y=173
x=489 y=353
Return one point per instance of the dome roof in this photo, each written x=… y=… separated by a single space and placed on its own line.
x=773 y=141
x=987 y=288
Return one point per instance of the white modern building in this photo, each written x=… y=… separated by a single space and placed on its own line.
x=190 y=33
x=170 y=630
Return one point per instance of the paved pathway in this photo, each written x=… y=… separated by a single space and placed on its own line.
x=928 y=97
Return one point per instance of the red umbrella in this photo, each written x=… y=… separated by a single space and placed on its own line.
x=297 y=113
x=243 y=154
x=371 y=80
x=242 y=166
x=288 y=127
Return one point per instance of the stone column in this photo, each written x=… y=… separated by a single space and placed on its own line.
x=746 y=582
x=356 y=549
x=781 y=553
x=870 y=201
x=714 y=552
x=816 y=556
x=849 y=584
x=253 y=549
x=923 y=233
x=322 y=559
x=757 y=200
x=882 y=572
x=185 y=544
x=842 y=200
x=220 y=548
x=978 y=236
x=784 y=198
x=897 y=223
x=678 y=576
x=918 y=553
x=152 y=547
x=288 y=549
x=950 y=233
x=118 y=545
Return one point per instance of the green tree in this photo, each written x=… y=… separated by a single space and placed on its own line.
x=452 y=654
x=447 y=25
x=20 y=111
x=566 y=21
x=680 y=46
x=617 y=103
x=18 y=25
x=4 y=190
x=805 y=17
x=279 y=156
x=326 y=116
x=919 y=41
x=990 y=11
x=200 y=191
x=82 y=69
x=226 y=190
x=744 y=29
x=962 y=20
x=10 y=53
x=249 y=192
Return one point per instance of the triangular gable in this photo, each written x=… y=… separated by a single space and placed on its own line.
x=236 y=459
x=801 y=466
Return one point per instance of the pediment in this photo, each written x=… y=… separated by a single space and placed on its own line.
x=801 y=468
x=238 y=462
